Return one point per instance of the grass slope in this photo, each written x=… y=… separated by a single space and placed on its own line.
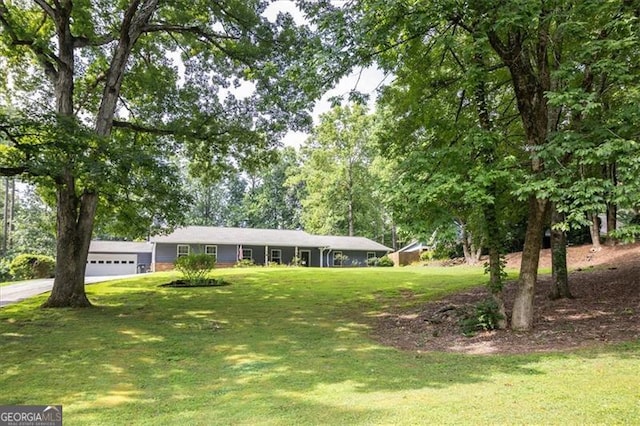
x=289 y=346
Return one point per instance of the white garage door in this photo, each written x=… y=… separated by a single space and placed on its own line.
x=99 y=264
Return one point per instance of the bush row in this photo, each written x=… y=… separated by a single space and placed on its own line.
x=27 y=267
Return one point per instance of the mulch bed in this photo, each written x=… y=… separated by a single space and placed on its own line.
x=208 y=283
x=606 y=309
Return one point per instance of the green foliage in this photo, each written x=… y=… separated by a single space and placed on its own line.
x=497 y=282
x=341 y=195
x=427 y=255
x=195 y=267
x=296 y=261
x=34 y=223
x=5 y=269
x=483 y=317
x=628 y=234
x=447 y=250
x=385 y=261
x=32 y=266
x=245 y=263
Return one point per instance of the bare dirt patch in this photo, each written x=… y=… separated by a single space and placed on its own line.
x=606 y=309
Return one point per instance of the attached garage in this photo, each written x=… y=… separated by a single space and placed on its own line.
x=100 y=264
x=108 y=258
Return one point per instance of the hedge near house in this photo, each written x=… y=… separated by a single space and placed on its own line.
x=32 y=266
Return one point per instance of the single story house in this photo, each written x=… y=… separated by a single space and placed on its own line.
x=118 y=258
x=231 y=245
x=263 y=246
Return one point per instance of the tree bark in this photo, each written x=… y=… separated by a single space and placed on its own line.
x=468 y=249
x=612 y=207
x=612 y=223
x=77 y=207
x=594 y=230
x=75 y=218
x=522 y=318
x=350 y=200
x=496 y=284
x=528 y=62
x=560 y=276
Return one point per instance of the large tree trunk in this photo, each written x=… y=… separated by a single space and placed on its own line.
x=594 y=230
x=496 y=282
x=75 y=218
x=560 y=277
x=77 y=207
x=612 y=207
x=612 y=223
x=470 y=251
x=522 y=318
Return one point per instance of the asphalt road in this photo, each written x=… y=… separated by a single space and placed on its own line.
x=24 y=289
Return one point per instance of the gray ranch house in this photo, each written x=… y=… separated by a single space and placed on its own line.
x=263 y=246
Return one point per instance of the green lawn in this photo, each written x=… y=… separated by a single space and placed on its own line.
x=290 y=346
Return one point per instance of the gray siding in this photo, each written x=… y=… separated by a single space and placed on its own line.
x=144 y=259
x=167 y=253
x=354 y=258
x=227 y=254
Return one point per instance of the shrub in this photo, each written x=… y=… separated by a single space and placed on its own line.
x=447 y=251
x=342 y=258
x=5 y=271
x=296 y=261
x=426 y=255
x=485 y=316
x=385 y=261
x=32 y=266
x=195 y=267
x=372 y=261
x=245 y=263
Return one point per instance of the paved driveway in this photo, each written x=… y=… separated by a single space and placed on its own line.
x=24 y=289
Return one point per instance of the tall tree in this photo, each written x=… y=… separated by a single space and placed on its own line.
x=86 y=69
x=339 y=186
x=271 y=203
x=543 y=45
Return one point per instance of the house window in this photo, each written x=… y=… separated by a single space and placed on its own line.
x=371 y=255
x=247 y=254
x=211 y=250
x=337 y=258
x=183 y=250
x=276 y=256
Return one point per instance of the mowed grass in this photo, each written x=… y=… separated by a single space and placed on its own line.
x=290 y=346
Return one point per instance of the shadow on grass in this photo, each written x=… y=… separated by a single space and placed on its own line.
x=240 y=354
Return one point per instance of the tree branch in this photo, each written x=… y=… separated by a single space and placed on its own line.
x=209 y=36
x=100 y=41
x=143 y=129
x=47 y=59
x=47 y=8
x=13 y=171
x=164 y=131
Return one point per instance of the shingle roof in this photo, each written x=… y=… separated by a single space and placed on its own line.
x=271 y=237
x=247 y=236
x=348 y=243
x=119 y=247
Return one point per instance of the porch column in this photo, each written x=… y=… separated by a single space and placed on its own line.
x=266 y=255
